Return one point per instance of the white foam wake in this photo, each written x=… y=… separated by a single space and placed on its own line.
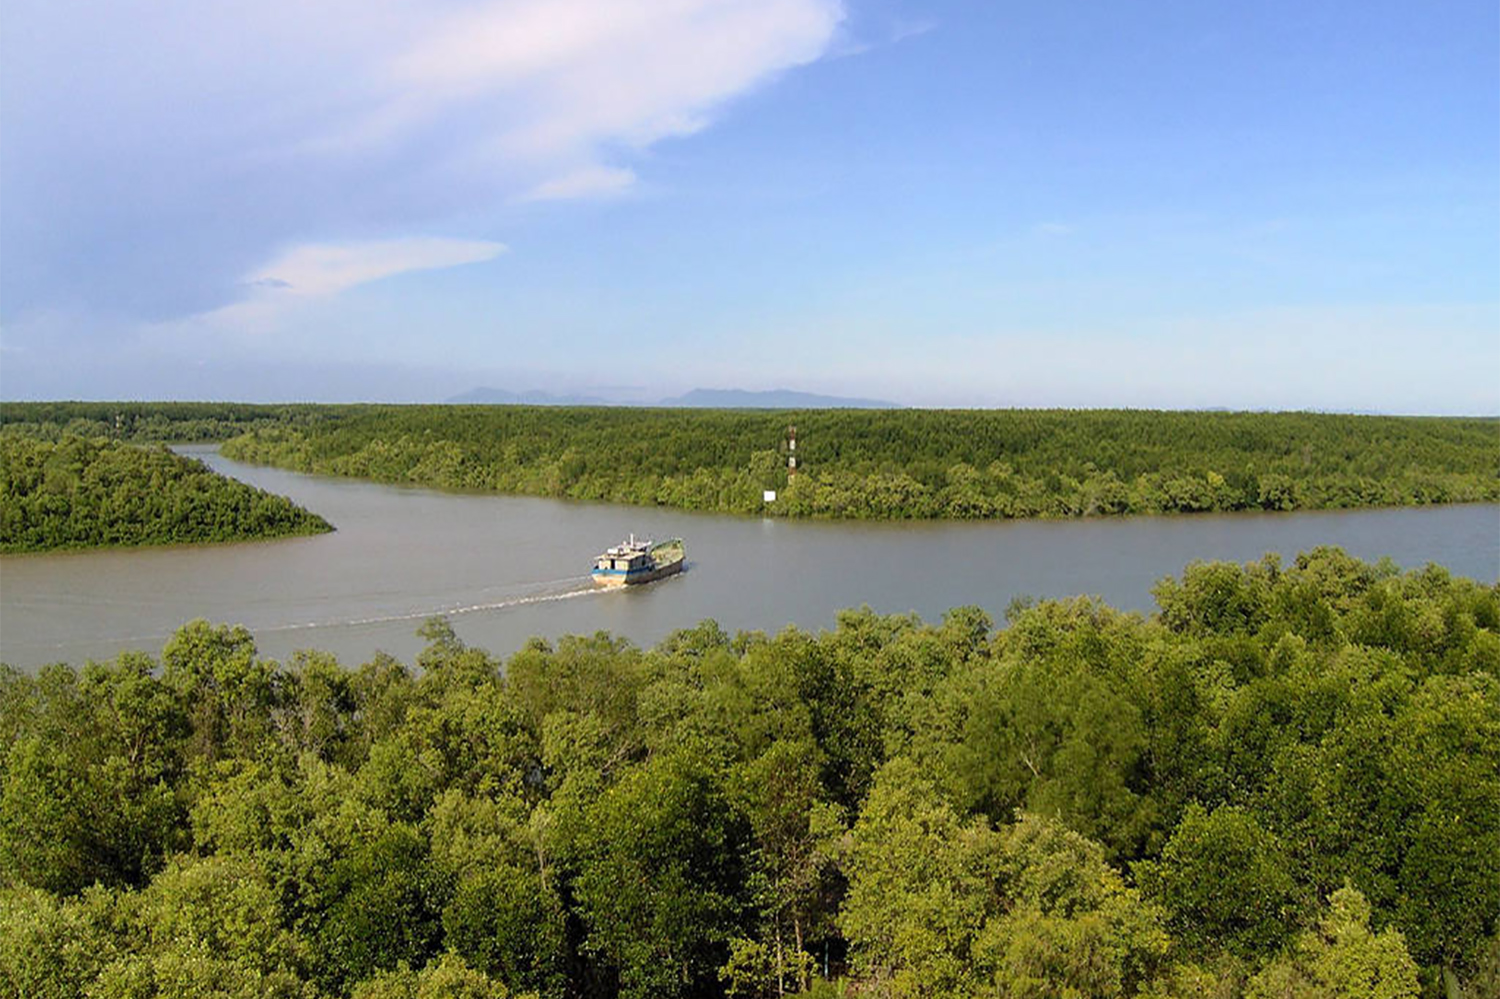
x=451 y=610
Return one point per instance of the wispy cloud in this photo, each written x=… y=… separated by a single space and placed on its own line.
x=300 y=279
x=562 y=77
x=327 y=269
x=308 y=122
x=584 y=182
x=878 y=33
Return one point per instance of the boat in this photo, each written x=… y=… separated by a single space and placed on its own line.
x=632 y=561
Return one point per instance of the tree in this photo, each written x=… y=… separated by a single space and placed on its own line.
x=210 y=927
x=796 y=835
x=86 y=776
x=940 y=907
x=1224 y=882
x=660 y=876
x=446 y=977
x=50 y=948
x=919 y=887
x=379 y=903
x=1341 y=959
x=505 y=917
x=1067 y=924
x=226 y=690
x=1051 y=725
x=1448 y=748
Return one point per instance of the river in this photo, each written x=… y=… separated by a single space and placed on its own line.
x=507 y=568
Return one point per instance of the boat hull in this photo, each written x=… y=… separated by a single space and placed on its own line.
x=619 y=577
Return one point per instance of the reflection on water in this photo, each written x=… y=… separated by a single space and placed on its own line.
x=506 y=568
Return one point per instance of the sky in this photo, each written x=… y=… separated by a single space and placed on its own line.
x=1172 y=204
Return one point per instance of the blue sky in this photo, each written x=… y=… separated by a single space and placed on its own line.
x=1269 y=205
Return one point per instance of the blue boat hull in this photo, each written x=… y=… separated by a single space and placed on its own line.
x=622 y=577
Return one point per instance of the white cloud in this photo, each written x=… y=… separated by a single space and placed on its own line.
x=337 y=117
x=329 y=268
x=534 y=92
x=566 y=77
x=299 y=280
x=585 y=182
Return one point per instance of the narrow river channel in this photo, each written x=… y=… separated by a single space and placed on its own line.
x=507 y=568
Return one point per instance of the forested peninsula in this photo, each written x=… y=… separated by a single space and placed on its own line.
x=904 y=463
x=1286 y=783
x=80 y=492
x=882 y=464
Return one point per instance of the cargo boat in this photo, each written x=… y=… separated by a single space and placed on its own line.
x=632 y=561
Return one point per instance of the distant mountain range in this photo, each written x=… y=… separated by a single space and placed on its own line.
x=697 y=398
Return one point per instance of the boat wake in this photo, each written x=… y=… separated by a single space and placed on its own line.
x=451 y=610
x=551 y=591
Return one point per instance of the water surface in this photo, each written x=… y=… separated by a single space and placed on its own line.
x=506 y=568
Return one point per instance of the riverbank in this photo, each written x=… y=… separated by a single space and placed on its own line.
x=850 y=464
x=507 y=568
x=905 y=464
